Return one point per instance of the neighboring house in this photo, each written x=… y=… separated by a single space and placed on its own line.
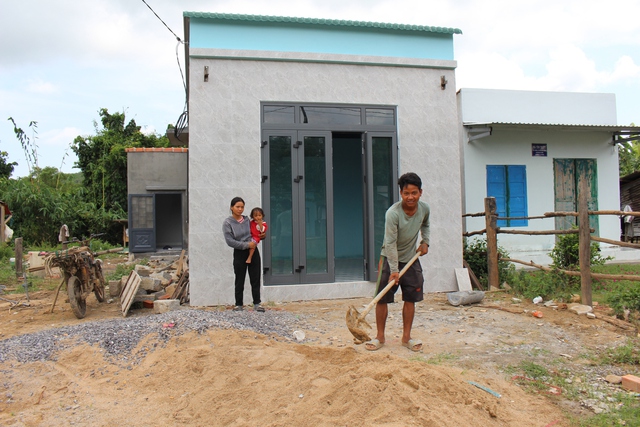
x=157 y=183
x=630 y=196
x=528 y=150
x=314 y=120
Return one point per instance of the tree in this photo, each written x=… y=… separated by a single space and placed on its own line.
x=103 y=160
x=6 y=168
x=628 y=156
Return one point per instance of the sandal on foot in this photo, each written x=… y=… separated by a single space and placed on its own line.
x=413 y=345
x=238 y=308
x=373 y=345
x=258 y=307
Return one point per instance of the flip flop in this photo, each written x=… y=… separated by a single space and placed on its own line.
x=375 y=343
x=413 y=345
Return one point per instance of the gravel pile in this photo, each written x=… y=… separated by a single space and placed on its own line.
x=119 y=337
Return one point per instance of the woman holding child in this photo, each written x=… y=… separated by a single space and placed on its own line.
x=237 y=234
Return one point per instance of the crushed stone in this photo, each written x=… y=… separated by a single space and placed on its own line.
x=118 y=338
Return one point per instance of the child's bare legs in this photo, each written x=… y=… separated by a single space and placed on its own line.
x=251 y=251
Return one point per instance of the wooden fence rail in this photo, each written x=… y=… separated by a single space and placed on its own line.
x=585 y=238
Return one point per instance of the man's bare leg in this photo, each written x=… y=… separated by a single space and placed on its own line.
x=382 y=311
x=408 y=313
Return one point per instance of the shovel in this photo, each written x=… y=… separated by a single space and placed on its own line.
x=355 y=320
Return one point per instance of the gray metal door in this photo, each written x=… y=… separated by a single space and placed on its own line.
x=142 y=223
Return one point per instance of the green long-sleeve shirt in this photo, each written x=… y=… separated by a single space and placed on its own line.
x=401 y=233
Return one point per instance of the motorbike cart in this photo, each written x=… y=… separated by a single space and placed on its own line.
x=82 y=274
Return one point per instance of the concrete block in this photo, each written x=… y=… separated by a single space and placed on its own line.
x=165 y=305
x=631 y=383
x=150 y=284
x=143 y=270
x=464 y=281
x=114 y=288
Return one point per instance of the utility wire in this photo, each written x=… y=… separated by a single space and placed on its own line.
x=154 y=12
x=182 y=122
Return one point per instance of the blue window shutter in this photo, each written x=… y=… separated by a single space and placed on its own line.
x=517 y=195
x=497 y=187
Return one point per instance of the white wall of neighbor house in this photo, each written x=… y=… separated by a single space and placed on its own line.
x=511 y=147
x=225 y=151
x=525 y=106
x=524 y=118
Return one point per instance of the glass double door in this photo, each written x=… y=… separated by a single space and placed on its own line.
x=325 y=212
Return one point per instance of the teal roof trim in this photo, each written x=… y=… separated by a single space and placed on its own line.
x=318 y=21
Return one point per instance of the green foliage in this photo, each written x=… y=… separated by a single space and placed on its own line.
x=103 y=160
x=120 y=271
x=29 y=145
x=566 y=253
x=6 y=252
x=553 y=285
x=626 y=298
x=87 y=202
x=628 y=156
x=626 y=354
x=6 y=168
x=475 y=253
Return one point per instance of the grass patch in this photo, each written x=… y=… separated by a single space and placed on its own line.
x=441 y=358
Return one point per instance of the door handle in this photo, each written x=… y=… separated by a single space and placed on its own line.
x=297 y=179
x=300 y=268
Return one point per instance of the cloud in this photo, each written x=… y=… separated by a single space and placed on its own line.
x=41 y=87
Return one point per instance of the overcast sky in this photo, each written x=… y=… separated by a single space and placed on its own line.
x=61 y=61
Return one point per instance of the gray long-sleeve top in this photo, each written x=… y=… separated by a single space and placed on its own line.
x=401 y=233
x=237 y=234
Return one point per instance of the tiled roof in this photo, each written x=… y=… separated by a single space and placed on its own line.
x=318 y=21
x=156 y=150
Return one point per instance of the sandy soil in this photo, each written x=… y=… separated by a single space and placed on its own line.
x=240 y=378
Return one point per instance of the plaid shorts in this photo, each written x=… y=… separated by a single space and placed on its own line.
x=411 y=282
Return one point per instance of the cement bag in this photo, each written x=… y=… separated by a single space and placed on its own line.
x=464 y=297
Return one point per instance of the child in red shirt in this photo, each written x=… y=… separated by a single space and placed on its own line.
x=257 y=226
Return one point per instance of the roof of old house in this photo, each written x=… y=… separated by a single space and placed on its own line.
x=319 y=21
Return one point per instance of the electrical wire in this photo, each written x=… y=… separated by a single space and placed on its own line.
x=182 y=121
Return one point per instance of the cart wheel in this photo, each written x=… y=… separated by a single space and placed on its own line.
x=78 y=304
x=98 y=290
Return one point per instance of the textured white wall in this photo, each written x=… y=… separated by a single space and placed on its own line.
x=513 y=147
x=224 y=153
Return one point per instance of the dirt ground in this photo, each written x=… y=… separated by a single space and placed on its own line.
x=241 y=378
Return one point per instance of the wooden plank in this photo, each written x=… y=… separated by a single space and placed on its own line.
x=474 y=279
x=129 y=292
x=180 y=263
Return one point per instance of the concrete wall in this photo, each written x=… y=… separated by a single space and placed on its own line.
x=513 y=147
x=162 y=170
x=521 y=106
x=224 y=161
x=151 y=169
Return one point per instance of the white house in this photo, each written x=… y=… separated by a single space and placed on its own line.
x=528 y=149
x=314 y=120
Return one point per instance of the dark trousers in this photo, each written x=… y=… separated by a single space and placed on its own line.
x=240 y=268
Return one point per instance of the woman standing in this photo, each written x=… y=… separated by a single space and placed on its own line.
x=237 y=234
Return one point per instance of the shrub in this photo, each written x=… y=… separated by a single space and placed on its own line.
x=475 y=253
x=626 y=298
x=566 y=253
x=553 y=285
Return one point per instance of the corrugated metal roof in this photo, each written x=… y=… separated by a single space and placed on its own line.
x=612 y=128
x=318 y=21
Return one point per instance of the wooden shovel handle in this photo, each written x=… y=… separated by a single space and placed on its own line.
x=382 y=293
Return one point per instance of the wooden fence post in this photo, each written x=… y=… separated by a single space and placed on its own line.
x=490 y=216
x=3 y=226
x=18 y=251
x=585 y=241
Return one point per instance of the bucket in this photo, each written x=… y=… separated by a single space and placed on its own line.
x=12 y=262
